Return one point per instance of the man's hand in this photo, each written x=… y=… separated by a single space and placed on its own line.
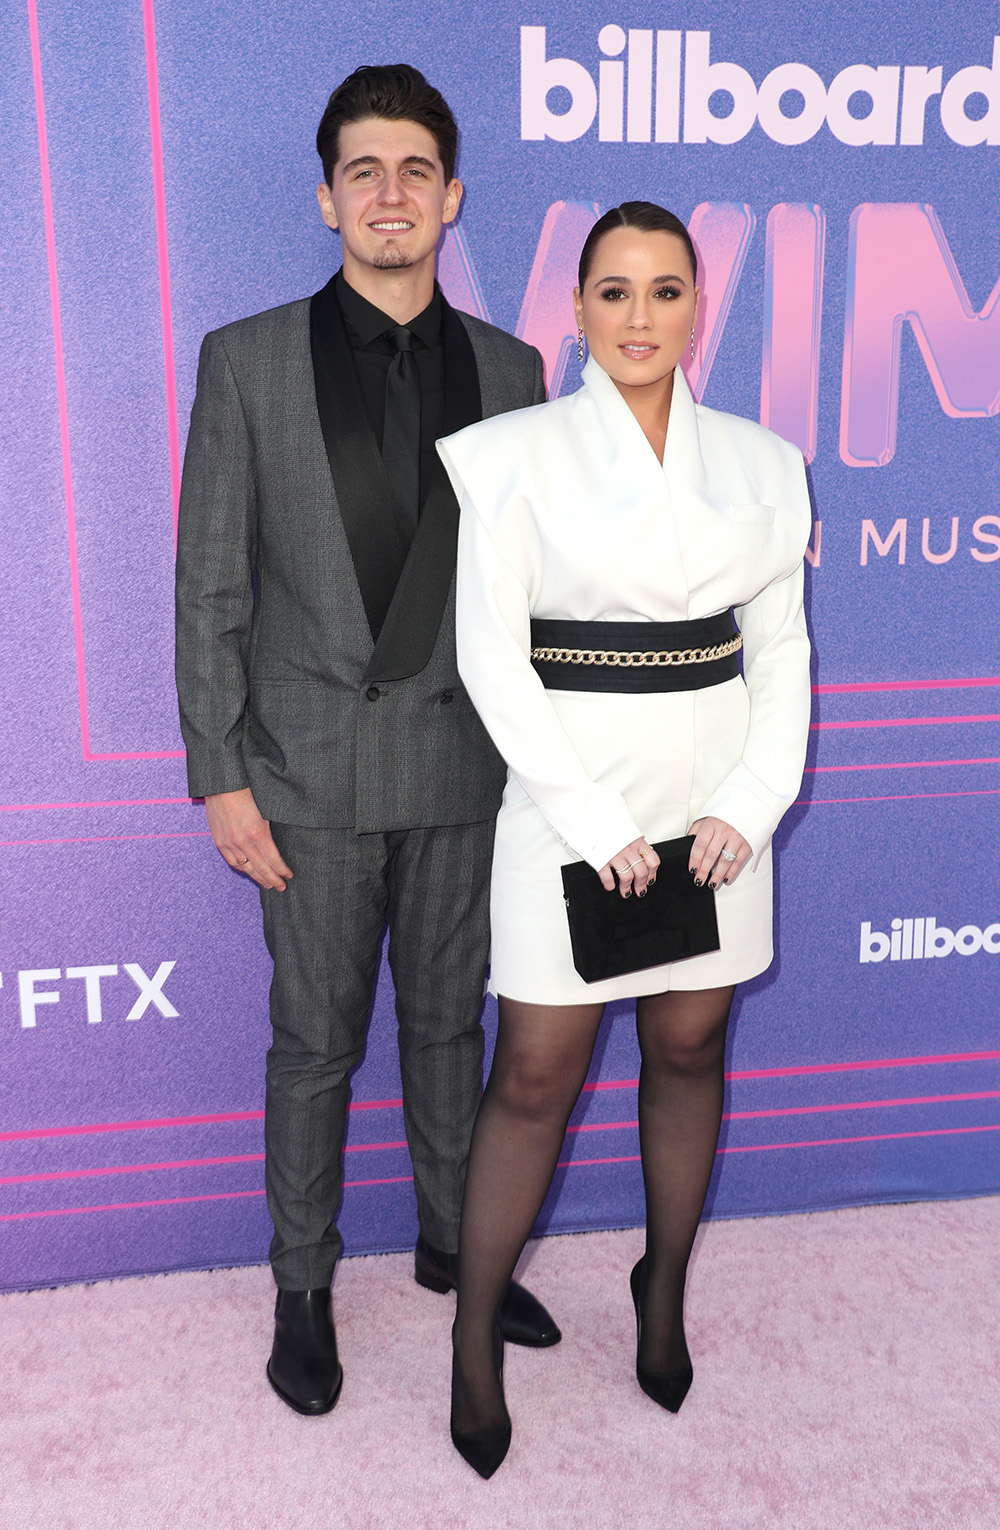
x=243 y=838
x=719 y=852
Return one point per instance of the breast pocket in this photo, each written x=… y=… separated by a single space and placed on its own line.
x=751 y=515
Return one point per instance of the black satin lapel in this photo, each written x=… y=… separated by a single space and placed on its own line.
x=378 y=542
x=411 y=627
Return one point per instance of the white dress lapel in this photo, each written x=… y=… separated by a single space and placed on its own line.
x=690 y=523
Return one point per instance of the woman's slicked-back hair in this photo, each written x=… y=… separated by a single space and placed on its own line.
x=648 y=218
x=395 y=91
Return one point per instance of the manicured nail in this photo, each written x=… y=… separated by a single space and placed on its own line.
x=641 y=894
x=697 y=881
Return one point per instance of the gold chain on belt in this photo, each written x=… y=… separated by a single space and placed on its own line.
x=667 y=657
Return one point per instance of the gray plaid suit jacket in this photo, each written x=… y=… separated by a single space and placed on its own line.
x=281 y=685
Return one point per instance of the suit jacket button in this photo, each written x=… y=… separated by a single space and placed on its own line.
x=373 y=693
x=447 y=696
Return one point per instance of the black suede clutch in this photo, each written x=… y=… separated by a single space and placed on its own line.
x=612 y=935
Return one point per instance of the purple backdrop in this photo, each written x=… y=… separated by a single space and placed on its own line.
x=158 y=180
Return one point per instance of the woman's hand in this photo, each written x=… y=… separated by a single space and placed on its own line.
x=718 y=854
x=635 y=867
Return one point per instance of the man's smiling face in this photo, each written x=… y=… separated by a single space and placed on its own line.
x=389 y=197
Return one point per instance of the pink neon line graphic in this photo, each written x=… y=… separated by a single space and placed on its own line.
x=60 y=367
x=906 y=722
x=902 y=685
x=382 y=1147
x=809 y=770
x=805 y=1069
x=573 y=1163
x=139 y=754
x=394 y=1179
x=601 y=1086
x=590 y=1163
x=99 y=839
x=179 y=1163
x=815 y=770
x=60 y=370
x=52 y=807
x=859 y=1067
x=163 y=262
x=138 y=1126
x=36 y=807
x=129 y=1126
x=940 y=1131
x=991 y=791
x=602 y=1126
x=183 y=1200
x=774 y=1147
x=174 y=1200
x=129 y=1168
x=809 y=1110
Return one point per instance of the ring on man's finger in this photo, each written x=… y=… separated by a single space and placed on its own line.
x=245 y=860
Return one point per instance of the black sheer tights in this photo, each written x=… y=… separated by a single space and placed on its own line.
x=539 y=1067
x=682 y=1038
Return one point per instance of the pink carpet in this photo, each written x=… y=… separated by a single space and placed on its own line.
x=846 y=1378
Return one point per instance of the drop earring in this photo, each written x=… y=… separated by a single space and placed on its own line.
x=579 y=342
x=692 y=342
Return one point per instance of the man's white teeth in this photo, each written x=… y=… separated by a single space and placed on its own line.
x=392 y=227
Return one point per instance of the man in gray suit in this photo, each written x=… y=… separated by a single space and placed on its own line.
x=343 y=767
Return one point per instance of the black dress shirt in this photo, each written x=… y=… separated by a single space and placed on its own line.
x=367 y=328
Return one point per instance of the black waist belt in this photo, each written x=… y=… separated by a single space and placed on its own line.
x=636 y=657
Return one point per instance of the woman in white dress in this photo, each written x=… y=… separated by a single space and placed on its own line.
x=625 y=503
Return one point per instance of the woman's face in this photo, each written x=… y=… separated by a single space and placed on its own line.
x=638 y=305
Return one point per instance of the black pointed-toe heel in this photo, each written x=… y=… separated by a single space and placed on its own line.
x=668 y=1388
x=484 y=1449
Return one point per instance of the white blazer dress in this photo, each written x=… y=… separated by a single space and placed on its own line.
x=566 y=513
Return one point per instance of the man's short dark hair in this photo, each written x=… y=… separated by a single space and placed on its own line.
x=395 y=91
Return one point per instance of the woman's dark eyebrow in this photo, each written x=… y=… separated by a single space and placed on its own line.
x=627 y=280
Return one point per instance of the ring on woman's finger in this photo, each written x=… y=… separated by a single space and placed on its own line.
x=630 y=865
x=727 y=855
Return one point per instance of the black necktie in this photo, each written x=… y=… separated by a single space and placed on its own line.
x=401 y=430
